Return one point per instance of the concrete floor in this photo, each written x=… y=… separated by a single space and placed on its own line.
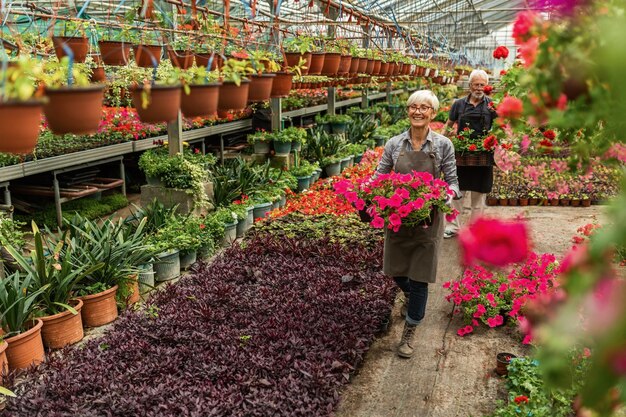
x=452 y=376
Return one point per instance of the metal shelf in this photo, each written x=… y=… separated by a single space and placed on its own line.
x=306 y=111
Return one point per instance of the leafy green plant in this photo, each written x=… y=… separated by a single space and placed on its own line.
x=300 y=43
x=263 y=61
x=235 y=71
x=198 y=76
x=294 y=135
x=18 y=82
x=18 y=303
x=10 y=233
x=174 y=235
x=55 y=74
x=260 y=136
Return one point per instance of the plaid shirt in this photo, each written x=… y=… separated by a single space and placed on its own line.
x=439 y=144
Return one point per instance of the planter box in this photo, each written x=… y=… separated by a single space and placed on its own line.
x=172 y=196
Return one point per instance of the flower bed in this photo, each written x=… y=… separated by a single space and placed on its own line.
x=248 y=335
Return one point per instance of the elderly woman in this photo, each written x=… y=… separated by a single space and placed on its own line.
x=410 y=255
x=475 y=112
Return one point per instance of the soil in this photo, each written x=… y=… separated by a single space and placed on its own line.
x=448 y=375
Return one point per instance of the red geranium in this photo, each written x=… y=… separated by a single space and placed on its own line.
x=510 y=108
x=490 y=142
x=549 y=134
x=472 y=147
x=502 y=72
x=501 y=52
x=521 y=399
x=488 y=89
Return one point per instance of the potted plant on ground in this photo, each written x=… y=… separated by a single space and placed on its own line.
x=74 y=104
x=20 y=112
x=295 y=135
x=282 y=142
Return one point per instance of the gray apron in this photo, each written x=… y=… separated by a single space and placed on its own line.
x=413 y=251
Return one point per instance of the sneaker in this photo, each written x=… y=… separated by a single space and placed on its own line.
x=449 y=234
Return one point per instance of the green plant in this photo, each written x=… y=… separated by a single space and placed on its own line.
x=260 y=136
x=174 y=235
x=55 y=74
x=263 y=61
x=300 y=43
x=305 y=169
x=50 y=269
x=10 y=233
x=198 y=76
x=155 y=214
x=294 y=135
x=333 y=119
x=225 y=215
x=18 y=82
x=18 y=303
x=235 y=71
x=75 y=28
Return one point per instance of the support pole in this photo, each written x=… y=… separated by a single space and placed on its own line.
x=123 y=175
x=57 y=200
x=175 y=135
x=277 y=113
x=331 y=101
x=364 y=99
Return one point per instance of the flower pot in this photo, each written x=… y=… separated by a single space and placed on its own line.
x=354 y=66
x=281 y=85
x=99 y=309
x=331 y=64
x=98 y=75
x=492 y=201
x=293 y=58
x=260 y=87
x=78 y=45
x=201 y=100
x=533 y=201
x=574 y=202
x=338 y=127
x=114 y=53
x=282 y=202
x=148 y=56
x=275 y=205
x=182 y=59
x=261 y=210
x=344 y=163
x=282 y=148
x=504 y=201
x=523 y=201
x=362 y=65
x=377 y=66
x=250 y=218
x=332 y=169
x=512 y=201
x=233 y=96
x=317 y=63
x=303 y=183
x=187 y=258
x=585 y=202
x=502 y=362
x=26 y=348
x=63 y=329
x=230 y=234
x=168 y=266
x=19 y=126
x=132 y=285
x=380 y=141
x=163 y=105
x=357 y=158
x=146 y=278
x=75 y=110
x=202 y=60
x=262 y=147
x=4 y=363
x=564 y=201
x=241 y=228
x=369 y=68
x=296 y=146
x=384 y=68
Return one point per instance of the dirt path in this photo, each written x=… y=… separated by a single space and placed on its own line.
x=450 y=376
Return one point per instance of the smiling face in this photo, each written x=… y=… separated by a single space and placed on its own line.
x=420 y=114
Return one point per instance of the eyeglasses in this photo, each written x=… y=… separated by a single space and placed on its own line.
x=421 y=109
x=478 y=85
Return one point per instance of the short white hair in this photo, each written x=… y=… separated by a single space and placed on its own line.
x=423 y=96
x=479 y=73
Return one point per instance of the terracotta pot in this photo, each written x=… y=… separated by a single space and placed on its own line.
x=133 y=283
x=233 y=97
x=64 y=328
x=26 y=349
x=344 y=64
x=317 y=62
x=181 y=58
x=533 y=201
x=362 y=65
x=99 y=309
x=281 y=85
x=523 y=201
x=377 y=66
x=98 y=75
x=370 y=67
x=354 y=66
x=502 y=362
x=574 y=202
x=564 y=201
x=78 y=46
x=75 y=110
x=492 y=201
x=331 y=64
x=293 y=58
x=260 y=87
x=4 y=363
x=144 y=55
x=114 y=53
x=384 y=67
x=512 y=201
x=504 y=201
x=19 y=126
x=554 y=201
x=585 y=202
x=202 y=60
x=163 y=106
x=201 y=100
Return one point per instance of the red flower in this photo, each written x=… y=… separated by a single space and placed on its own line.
x=501 y=52
x=502 y=72
x=549 y=134
x=528 y=51
x=494 y=242
x=510 y=108
x=546 y=143
x=202 y=226
x=472 y=147
x=522 y=26
x=521 y=399
x=490 y=142
x=487 y=90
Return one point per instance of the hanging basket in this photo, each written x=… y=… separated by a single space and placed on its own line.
x=281 y=85
x=78 y=45
x=144 y=55
x=232 y=96
x=163 y=106
x=201 y=100
x=331 y=64
x=260 y=87
x=76 y=110
x=474 y=159
x=19 y=126
x=114 y=53
x=293 y=58
x=181 y=58
x=317 y=62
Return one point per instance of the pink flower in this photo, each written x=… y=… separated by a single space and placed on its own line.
x=480 y=310
x=452 y=216
x=403 y=193
x=495 y=321
x=359 y=204
x=522 y=26
x=395 y=220
x=404 y=210
x=351 y=197
x=503 y=287
x=527 y=339
x=395 y=201
x=528 y=51
x=494 y=242
x=377 y=222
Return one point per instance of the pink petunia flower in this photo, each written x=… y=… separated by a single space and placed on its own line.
x=494 y=242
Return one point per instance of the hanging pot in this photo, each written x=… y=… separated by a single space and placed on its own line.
x=377 y=65
x=370 y=66
x=362 y=66
x=317 y=62
x=78 y=45
x=282 y=85
x=293 y=59
x=344 y=64
x=163 y=105
x=260 y=87
x=182 y=59
x=76 y=110
x=98 y=75
x=331 y=63
x=114 y=53
x=354 y=66
x=202 y=60
x=19 y=126
x=201 y=100
x=63 y=329
x=144 y=55
x=233 y=96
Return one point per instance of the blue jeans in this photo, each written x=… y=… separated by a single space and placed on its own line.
x=417 y=294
